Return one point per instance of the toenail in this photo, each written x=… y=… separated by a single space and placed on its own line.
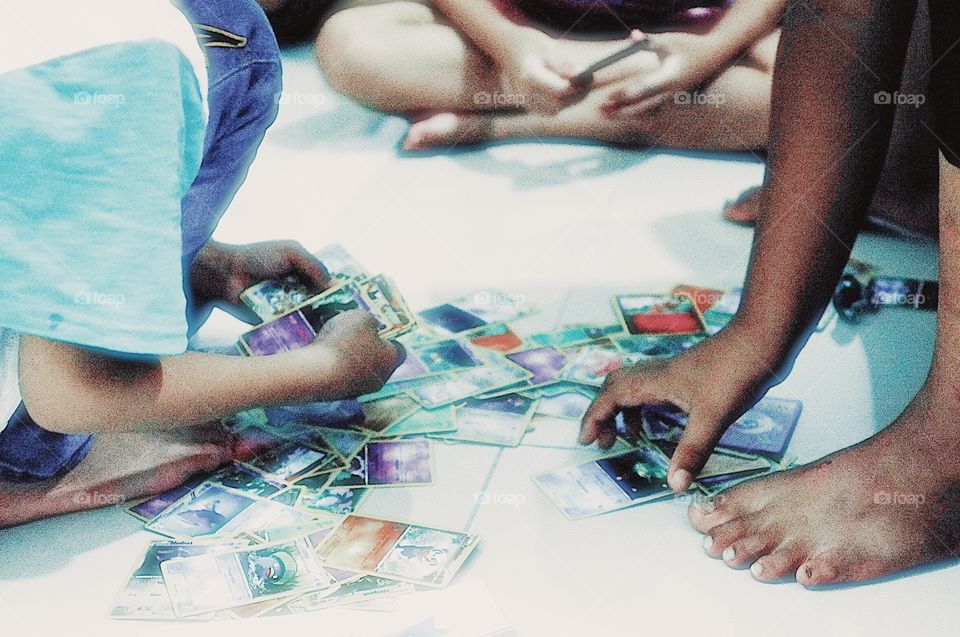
x=707 y=505
x=707 y=542
x=757 y=569
x=728 y=554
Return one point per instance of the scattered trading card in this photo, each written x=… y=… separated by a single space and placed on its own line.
x=145 y=595
x=545 y=363
x=264 y=515
x=239 y=421
x=346 y=442
x=764 y=430
x=318 y=496
x=714 y=484
x=493 y=306
x=451 y=318
x=380 y=414
x=241 y=478
x=571 y=336
x=607 y=484
x=657 y=314
x=591 y=366
x=305 y=417
x=644 y=347
x=149 y=509
x=275 y=297
x=284 y=334
x=571 y=405
x=500 y=421
x=291 y=460
x=425 y=421
x=205 y=583
x=447 y=356
x=397 y=550
x=361 y=589
x=397 y=463
x=206 y=511
x=450 y=388
x=289 y=497
x=703 y=298
x=720 y=462
x=498 y=337
x=411 y=367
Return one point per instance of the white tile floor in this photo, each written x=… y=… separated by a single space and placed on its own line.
x=565 y=225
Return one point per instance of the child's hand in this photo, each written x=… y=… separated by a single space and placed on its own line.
x=354 y=359
x=714 y=382
x=535 y=74
x=687 y=61
x=221 y=272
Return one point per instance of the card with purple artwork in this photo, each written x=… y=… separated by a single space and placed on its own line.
x=546 y=363
x=284 y=334
x=399 y=463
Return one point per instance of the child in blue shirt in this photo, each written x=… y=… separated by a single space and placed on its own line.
x=122 y=147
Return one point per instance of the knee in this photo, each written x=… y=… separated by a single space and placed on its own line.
x=352 y=57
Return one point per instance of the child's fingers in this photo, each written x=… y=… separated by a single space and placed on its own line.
x=654 y=84
x=623 y=388
x=308 y=267
x=697 y=442
x=646 y=107
x=544 y=73
x=598 y=418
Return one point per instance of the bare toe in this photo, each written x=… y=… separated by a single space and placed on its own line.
x=780 y=564
x=720 y=537
x=834 y=567
x=746 y=551
x=710 y=512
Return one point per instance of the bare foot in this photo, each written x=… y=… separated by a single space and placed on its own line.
x=446 y=129
x=886 y=504
x=120 y=468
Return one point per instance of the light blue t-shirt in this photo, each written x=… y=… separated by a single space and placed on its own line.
x=97 y=149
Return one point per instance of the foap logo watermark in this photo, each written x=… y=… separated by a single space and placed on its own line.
x=296 y=98
x=486 y=99
x=897 y=98
x=99 y=99
x=87 y=499
x=99 y=298
x=690 y=498
x=490 y=298
x=882 y=297
x=696 y=98
x=891 y=498
x=704 y=298
x=501 y=499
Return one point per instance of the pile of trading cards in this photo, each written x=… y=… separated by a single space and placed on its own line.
x=279 y=532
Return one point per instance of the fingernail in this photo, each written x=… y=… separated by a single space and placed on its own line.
x=680 y=479
x=707 y=542
x=728 y=554
x=707 y=505
x=756 y=569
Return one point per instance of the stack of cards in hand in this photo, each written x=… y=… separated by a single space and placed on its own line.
x=279 y=533
x=293 y=314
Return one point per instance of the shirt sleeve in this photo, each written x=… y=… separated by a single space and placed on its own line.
x=99 y=148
